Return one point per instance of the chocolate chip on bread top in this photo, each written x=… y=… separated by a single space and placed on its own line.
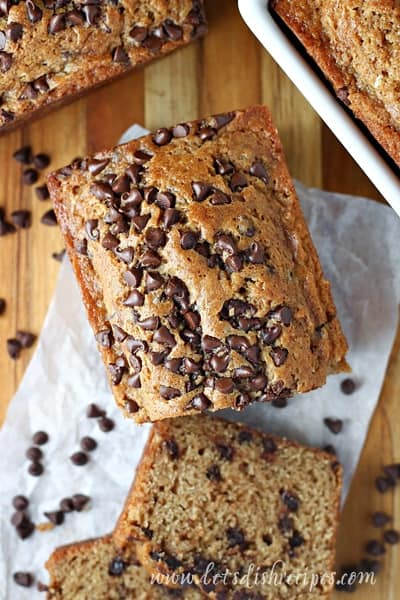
x=197 y=269
x=53 y=50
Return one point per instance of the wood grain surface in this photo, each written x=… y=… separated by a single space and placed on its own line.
x=227 y=70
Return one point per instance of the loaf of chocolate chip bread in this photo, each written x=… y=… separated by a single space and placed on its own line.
x=232 y=510
x=95 y=570
x=52 y=50
x=197 y=269
x=356 y=43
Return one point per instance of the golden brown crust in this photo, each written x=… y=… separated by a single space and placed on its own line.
x=354 y=44
x=79 y=47
x=189 y=514
x=251 y=271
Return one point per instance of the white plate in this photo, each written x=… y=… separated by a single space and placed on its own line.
x=258 y=18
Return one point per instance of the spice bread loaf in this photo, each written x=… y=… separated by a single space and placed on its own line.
x=95 y=570
x=356 y=43
x=197 y=269
x=52 y=50
x=234 y=511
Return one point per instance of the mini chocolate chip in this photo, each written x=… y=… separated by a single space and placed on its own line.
x=34 y=453
x=135 y=298
x=119 y=55
x=116 y=567
x=201 y=190
x=29 y=176
x=40 y=438
x=172 y=448
x=94 y=412
x=168 y=393
x=334 y=425
x=66 y=505
x=49 y=218
x=225 y=452
x=162 y=136
x=279 y=356
x=258 y=170
x=348 y=386
x=88 y=444
x=23 y=155
x=150 y=259
x=157 y=358
x=20 y=502
x=56 y=517
x=213 y=473
x=375 y=548
x=181 y=130
x=79 y=458
x=81 y=247
x=35 y=469
x=23 y=578
x=14 y=348
x=223 y=119
x=79 y=501
x=343 y=95
x=21 y=218
x=106 y=424
x=25 y=338
x=199 y=402
x=42 y=192
x=391 y=536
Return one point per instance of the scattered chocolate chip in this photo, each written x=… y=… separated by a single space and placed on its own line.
x=79 y=458
x=117 y=567
x=223 y=119
x=79 y=501
x=40 y=438
x=94 y=412
x=283 y=314
x=383 y=484
x=391 y=536
x=21 y=218
x=220 y=198
x=380 y=519
x=20 y=502
x=213 y=473
x=88 y=444
x=152 y=43
x=23 y=155
x=106 y=424
x=189 y=239
x=24 y=579
x=141 y=157
x=173 y=31
x=6 y=60
x=66 y=505
x=392 y=471
x=25 y=338
x=42 y=587
x=348 y=386
x=149 y=324
x=343 y=95
x=49 y=218
x=206 y=133
x=241 y=401
x=153 y=281
x=296 y=540
x=279 y=355
x=29 y=176
x=14 y=348
x=35 y=469
x=334 y=425
x=58 y=256
x=2 y=306
x=42 y=192
x=41 y=161
x=34 y=453
x=19 y=518
x=25 y=529
x=56 y=517
x=110 y=241
x=91 y=13
x=133 y=277
x=375 y=548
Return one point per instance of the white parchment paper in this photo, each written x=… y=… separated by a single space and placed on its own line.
x=358 y=243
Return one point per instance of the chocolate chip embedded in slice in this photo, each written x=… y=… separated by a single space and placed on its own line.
x=201 y=190
x=290 y=500
x=173 y=31
x=149 y=323
x=241 y=401
x=140 y=222
x=334 y=425
x=245 y=436
x=14 y=348
x=210 y=343
x=189 y=239
x=181 y=130
x=135 y=298
x=97 y=165
x=223 y=119
x=258 y=170
x=138 y=34
x=168 y=393
x=133 y=277
x=79 y=459
x=34 y=12
x=172 y=448
x=40 y=438
x=155 y=238
x=153 y=281
x=104 y=338
x=283 y=314
x=238 y=182
x=49 y=218
x=23 y=578
x=102 y=190
x=206 y=133
x=279 y=355
x=6 y=61
x=162 y=136
x=213 y=473
x=199 y=402
x=141 y=157
x=21 y=218
x=270 y=334
x=171 y=217
x=119 y=55
x=236 y=537
x=152 y=43
x=110 y=241
x=269 y=446
x=224 y=385
x=164 y=336
x=223 y=167
x=116 y=567
x=56 y=517
x=256 y=254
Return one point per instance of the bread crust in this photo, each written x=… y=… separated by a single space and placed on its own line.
x=304 y=19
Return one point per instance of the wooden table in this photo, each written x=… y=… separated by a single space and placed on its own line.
x=229 y=69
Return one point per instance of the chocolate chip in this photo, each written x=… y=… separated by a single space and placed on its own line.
x=256 y=254
x=162 y=136
x=133 y=277
x=91 y=13
x=290 y=500
x=88 y=444
x=238 y=182
x=220 y=363
x=392 y=471
x=14 y=348
x=296 y=540
x=40 y=438
x=25 y=338
x=35 y=469
x=141 y=157
x=224 y=385
x=140 y=222
x=79 y=458
x=106 y=424
x=334 y=425
x=220 y=198
x=149 y=323
x=279 y=356
x=383 y=484
x=91 y=228
x=236 y=537
x=223 y=167
x=348 y=386
x=199 y=402
x=206 y=133
x=343 y=95
x=213 y=473
x=34 y=12
x=269 y=445
x=110 y=241
x=165 y=200
x=270 y=334
x=66 y=505
x=97 y=165
x=138 y=34
x=189 y=239
x=42 y=587
x=153 y=281
x=170 y=217
x=130 y=405
x=164 y=336
x=391 y=536
x=225 y=243
x=49 y=218
x=2 y=306
x=223 y=119
x=210 y=343
x=14 y=32
x=225 y=452
x=258 y=170
x=5 y=61
x=58 y=256
x=155 y=238
x=172 y=448
x=173 y=31
x=56 y=517
x=79 y=501
x=19 y=519
x=23 y=155
x=42 y=192
x=152 y=43
x=375 y=548
x=94 y=412
x=282 y=314
x=24 y=579
x=25 y=530
x=168 y=393
x=181 y=130
x=33 y=453
x=21 y=218
x=41 y=161
x=120 y=56
x=116 y=567
x=380 y=519
x=20 y=502
x=29 y=176
x=201 y=190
